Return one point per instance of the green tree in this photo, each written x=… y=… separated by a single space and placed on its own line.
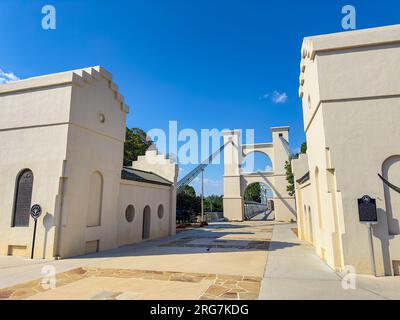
x=187 y=200
x=303 y=148
x=253 y=193
x=189 y=191
x=289 y=178
x=136 y=144
x=213 y=203
x=289 y=171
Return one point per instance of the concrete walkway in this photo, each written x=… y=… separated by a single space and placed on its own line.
x=222 y=261
x=249 y=260
x=295 y=272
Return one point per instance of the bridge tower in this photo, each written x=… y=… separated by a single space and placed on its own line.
x=233 y=199
x=283 y=202
x=236 y=181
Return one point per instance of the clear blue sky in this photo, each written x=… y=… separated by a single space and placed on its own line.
x=183 y=60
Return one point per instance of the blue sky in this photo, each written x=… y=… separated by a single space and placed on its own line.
x=189 y=61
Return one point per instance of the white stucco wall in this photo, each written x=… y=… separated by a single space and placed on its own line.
x=141 y=195
x=351 y=126
x=93 y=146
x=33 y=135
x=65 y=127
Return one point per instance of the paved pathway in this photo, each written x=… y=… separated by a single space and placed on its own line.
x=250 y=260
x=294 y=271
x=223 y=261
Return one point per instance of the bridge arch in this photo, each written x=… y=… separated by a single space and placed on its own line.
x=256 y=161
x=236 y=180
x=263 y=178
x=266 y=149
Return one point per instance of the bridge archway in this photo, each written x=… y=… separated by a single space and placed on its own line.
x=257 y=201
x=256 y=161
x=236 y=180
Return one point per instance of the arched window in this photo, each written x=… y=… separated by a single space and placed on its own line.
x=95 y=200
x=146 y=223
x=23 y=198
x=130 y=213
x=160 y=211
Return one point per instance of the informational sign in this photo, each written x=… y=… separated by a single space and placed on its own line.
x=36 y=211
x=367 y=209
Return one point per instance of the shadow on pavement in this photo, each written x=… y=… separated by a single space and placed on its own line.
x=195 y=242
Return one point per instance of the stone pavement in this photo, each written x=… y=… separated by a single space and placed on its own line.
x=294 y=271
x=223 y=261
x=249 y=260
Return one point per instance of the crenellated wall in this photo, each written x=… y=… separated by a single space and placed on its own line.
x=168 y=169
x=69 y=130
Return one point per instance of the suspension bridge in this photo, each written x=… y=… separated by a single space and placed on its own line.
x=251 y=209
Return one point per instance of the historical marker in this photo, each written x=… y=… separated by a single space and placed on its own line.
x=367 y=209
x=368 y=216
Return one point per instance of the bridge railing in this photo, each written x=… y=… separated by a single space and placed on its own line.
x=252 y=209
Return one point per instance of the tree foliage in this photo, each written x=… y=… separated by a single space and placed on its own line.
x=253 y=193
x=290 y=178
x=213 y=203
x=289 y=171
x=189 y=191
x=136 y=144
x=187 y=200
x=303 y=148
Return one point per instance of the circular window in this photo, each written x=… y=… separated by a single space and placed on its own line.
x=101 y=117
x=130 y=213
x=160 y=211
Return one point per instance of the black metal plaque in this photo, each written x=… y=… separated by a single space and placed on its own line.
x=367 y=209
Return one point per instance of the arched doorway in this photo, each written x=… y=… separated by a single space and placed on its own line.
x=146 y=223
x=258 y=201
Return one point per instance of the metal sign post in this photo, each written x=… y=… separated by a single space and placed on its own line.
x=202 y=197
x=36 y=211
x=369 y=216
x=371 y=248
